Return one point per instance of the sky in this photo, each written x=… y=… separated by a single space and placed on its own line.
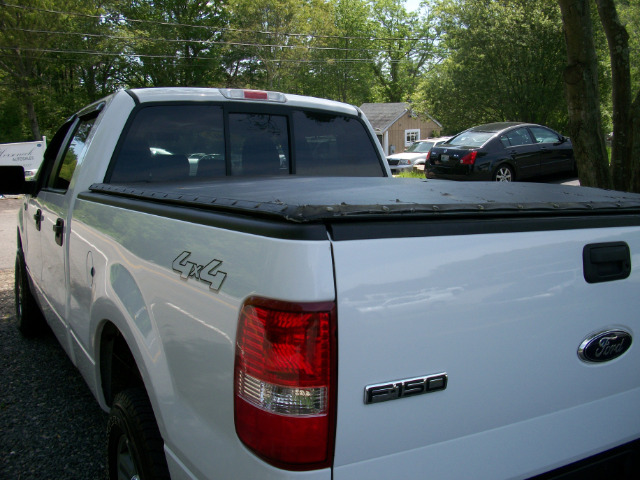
x=412 y=5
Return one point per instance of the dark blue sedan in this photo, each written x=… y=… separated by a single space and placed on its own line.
x=503 y=152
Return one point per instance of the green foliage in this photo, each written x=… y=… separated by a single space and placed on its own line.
x=504 y=61
x=411 y=174
x=170 y=42
x=406 y=46
x=629 y=11
x=463 y=61
x=11 y=117
x=341 y=68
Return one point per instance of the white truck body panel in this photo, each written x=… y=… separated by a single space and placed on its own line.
x=503 y=315
x=185 y=333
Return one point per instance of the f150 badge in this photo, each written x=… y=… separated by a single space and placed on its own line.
x=208 y=273
x=604 y=346
x=383 y=392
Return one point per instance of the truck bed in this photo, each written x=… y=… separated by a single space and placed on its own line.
x=304 y=200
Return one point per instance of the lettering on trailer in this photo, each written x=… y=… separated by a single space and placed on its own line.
x=383 y=392
x=208 y=273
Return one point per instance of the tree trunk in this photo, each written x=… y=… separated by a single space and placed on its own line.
x=581 y=85
x=33 y=118
x=635 y=144
x=28 y=103
x=618 y=41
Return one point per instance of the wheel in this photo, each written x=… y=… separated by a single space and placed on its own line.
x=31 y=323
x=504 y=173
x=135 y=449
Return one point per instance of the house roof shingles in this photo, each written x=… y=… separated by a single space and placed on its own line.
x=383 y=115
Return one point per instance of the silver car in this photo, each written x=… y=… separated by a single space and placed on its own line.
x=412 y=156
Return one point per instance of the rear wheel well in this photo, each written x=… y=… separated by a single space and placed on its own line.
x=118 y=369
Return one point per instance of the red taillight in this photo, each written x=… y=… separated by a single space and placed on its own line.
x=469 y=158
x=285 y=382
x=428 y=156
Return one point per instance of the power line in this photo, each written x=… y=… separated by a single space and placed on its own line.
x=222 y=29
x=173 y=57
x=201 y=42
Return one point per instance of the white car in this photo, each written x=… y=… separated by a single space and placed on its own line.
x=414 y=155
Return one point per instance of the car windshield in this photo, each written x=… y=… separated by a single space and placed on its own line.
x=420 y=147
x=470 y=138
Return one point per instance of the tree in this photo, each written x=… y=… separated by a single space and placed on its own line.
x=623 y=172
x=171 y=42
x=503 y=62
x=405 y=43
x=583 y=101
x=339 y=65
x=266 y=43
x=22 y=59
x=53 y=61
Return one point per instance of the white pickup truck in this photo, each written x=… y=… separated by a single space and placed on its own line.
x=251 y=296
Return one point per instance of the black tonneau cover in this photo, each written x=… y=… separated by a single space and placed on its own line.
x=321 y=199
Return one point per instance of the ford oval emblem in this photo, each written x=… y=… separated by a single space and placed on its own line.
x=604 y=346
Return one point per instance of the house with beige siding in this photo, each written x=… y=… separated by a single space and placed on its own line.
x=397 y=126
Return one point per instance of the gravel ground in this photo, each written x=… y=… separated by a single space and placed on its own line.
x=51 y=427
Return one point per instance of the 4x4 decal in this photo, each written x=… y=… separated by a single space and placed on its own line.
x=208 y=273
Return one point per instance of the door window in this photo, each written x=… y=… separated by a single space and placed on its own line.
x=544 y=135
x=519 y=136
x=66 y=165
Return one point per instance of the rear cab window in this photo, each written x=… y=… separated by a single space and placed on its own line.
x=178 y=142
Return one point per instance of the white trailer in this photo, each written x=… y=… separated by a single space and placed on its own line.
x=28 y=155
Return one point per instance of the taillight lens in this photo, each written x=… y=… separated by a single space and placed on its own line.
x=469 y=158
x=285 y=382
x=428 y=156
x=242 y=94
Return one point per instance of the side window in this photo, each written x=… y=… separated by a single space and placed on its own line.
x=544 y=135
x=519 y=136
x=52 y=151
x=66 y=165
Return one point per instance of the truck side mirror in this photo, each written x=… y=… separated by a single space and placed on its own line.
x=12 y=181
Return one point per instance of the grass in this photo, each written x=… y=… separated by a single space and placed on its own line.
x=411 y=174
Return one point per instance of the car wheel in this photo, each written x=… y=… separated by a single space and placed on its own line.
x=504 y=173
x=135 y=449
x=31 y=323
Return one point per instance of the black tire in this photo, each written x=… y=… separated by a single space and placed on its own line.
x=504 y=173
x=135 y=448
x=31 y=323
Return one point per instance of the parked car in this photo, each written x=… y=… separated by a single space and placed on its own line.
x=416 y=154
x=503 y=152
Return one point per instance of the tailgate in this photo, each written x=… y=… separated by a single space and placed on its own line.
x=503 y=316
